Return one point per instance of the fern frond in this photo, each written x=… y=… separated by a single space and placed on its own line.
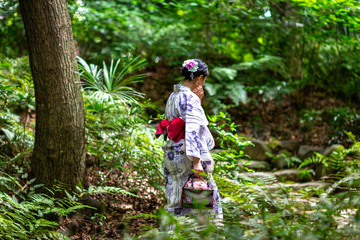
x=107 y=189
x=22 y=216
x=350 y=182
x=316 y=159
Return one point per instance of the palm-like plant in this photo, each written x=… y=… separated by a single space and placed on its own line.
x=110 y=86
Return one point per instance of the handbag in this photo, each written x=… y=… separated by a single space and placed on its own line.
x=197 y=194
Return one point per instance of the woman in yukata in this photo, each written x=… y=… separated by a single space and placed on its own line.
x=186 y=153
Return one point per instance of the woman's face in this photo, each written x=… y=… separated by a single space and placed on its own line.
x=201 y=80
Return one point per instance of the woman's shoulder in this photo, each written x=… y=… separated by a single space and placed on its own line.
x=189 y=97
x=183 y=96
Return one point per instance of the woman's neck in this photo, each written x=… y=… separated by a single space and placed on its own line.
x=189 y=84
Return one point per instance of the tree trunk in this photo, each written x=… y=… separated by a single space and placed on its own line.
x=59 y=151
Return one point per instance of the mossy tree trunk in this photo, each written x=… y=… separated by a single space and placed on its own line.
x=59 y=151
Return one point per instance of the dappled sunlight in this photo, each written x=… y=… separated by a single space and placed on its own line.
x=280 y=92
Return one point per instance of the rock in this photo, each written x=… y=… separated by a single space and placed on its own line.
x=258 y=151
x=306 y=151
x=284 y=160
x=74 y=226
x=290 y=145
x=346 y=216
x=64 y=231
x=257 y=177
x=320 y=171
x=332 y=148
x=216 y=151
x=97 y=207
x=71 y=225
x=258 y=165
x=298 y=186
x=280 y=163
x=91 y=160
x=288 y=175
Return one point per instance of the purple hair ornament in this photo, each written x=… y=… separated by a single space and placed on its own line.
x=191 y=65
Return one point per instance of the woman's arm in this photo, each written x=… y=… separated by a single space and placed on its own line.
x=190 y=112
x=197 y=164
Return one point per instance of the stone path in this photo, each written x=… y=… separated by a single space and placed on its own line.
x=267 y=178
x=280 y=178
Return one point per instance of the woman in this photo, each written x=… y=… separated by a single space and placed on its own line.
x=186 y=153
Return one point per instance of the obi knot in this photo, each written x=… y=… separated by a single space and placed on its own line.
x=174 y=129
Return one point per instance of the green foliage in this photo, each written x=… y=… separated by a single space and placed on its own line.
x=100 y=189
x=17 y=90
x=16 y=105
x=12 y=35
x=181 y=228
x=255 y=50
x=225 y=87
x=293 y=45
x=350 y=184
x=264 y=63
x=109 y=85
x=16 y=137
x=228 y=160
x=290 y=160
x=332 y=12
x=329 y=31
x=309 y=118
x=24 y=213
x=315 y=159
x=342 y=120
x=306 y=174
x=340 y=159
x=119 y=137
x=265 y=212
x=221 y=123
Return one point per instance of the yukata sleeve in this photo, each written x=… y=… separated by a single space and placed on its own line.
x=191 y=112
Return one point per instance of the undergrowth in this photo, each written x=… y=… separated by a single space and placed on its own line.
x=25 y=214
x=121 y=139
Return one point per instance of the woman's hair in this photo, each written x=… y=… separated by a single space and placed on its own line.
x=202 y=70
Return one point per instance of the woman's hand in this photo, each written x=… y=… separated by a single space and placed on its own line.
x=198 y=169
x=199 y=91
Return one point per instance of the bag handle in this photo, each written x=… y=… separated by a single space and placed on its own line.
x=192 y=176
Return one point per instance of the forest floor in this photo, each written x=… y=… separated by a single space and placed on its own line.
x=293 y=118
x=302 y=115
x=121 y=214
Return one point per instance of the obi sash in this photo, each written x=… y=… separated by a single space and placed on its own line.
x=175 y=129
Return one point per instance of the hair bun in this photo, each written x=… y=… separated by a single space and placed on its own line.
x=193 y=68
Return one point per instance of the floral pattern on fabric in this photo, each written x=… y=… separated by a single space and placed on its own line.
x=178 y=156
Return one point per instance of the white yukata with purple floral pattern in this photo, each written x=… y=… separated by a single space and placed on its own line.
x=178 y=157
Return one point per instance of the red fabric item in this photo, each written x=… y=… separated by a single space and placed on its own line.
x=161 y=128
x=175 y=129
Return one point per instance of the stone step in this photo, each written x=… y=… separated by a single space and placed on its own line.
x=258 y=150
x=257 y=177
x=298 y=186
x=278 y=176
x=256 y=165
x=288 y=175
